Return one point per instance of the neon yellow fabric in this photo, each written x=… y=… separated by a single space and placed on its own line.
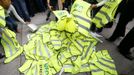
x=11 y=46
x=66 y=23
x=62 y=47
x=103 y=61
x=2 y=17
x=80 y=10
x=60 y=14
x=106 y=13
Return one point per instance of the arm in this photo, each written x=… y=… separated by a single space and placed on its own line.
x=101 y=3
x=48 y=4
x=60 y=5
x=12 y=9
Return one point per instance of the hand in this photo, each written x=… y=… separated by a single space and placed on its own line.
x=49 y=6
x=93 y=6
x=27 y=23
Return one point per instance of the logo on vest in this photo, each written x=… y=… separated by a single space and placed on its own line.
x=41 y=72
x=78 y=8
x=107 y=6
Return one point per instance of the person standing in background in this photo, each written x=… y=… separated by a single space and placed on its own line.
x=21 y=9
x=126 y=44
x=53 y=5
x=96 y=6
x=7 y=5
x=126 y=16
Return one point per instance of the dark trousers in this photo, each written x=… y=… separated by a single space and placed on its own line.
x=11 y=24
x=41 y=5
x=30 y=8
x=121 y=26
x=55 y=7
x=125 y=17
x=21 y=9
x=127 y=42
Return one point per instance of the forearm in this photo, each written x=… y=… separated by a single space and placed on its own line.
x=101 y=3
x=16 y=15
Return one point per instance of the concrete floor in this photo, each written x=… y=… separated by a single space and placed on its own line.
x=124 y=66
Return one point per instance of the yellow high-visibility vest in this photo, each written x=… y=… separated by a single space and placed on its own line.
x=2 y=17
x=101 y=61
x=81 y=11
x=11 y=46
x=106 y=13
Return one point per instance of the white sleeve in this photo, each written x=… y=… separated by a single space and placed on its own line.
x=101 y=3
x=12 y=9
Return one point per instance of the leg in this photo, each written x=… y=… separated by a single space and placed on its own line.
x=29 y=7
x=9 y=23
x=127 y=43
x=121 y=26
x=40 y=4
x=24 y=10
x=48 y=15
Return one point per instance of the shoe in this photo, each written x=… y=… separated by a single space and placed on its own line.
x=109 y=25
x=98 y=30
x=47 y=18
x=2 y=55
x=93 y=27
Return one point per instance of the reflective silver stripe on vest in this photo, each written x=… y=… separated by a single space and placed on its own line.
x=105 y=65
x=107 y=60
x=100 y=19
x=40 y=48
x=34 y=51
x=106 y=15
x=47 y=51
x=82 y=26
x=79 y=44
x=63 y=39
x=86 y=52
x=88 y=49
x=56 y=42
x=68 y=66
x=8 y=46
x=84 y=19
x=69 y=43
x=96 y=70
x=2 y=18
x=74 y=58
x=85 y=65
x=9 y=39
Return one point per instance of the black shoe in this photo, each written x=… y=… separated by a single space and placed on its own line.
x=2 y=55
x=98 y=30
x=47 y=18
x=93 y=27
x=111 y=39
x=109 y=25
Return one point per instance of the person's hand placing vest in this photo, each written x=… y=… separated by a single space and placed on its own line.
x=93 y=6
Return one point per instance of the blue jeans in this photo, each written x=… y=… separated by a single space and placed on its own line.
x=11 y=24
x=21 y=8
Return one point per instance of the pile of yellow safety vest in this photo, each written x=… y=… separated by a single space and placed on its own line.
x=62 y=46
